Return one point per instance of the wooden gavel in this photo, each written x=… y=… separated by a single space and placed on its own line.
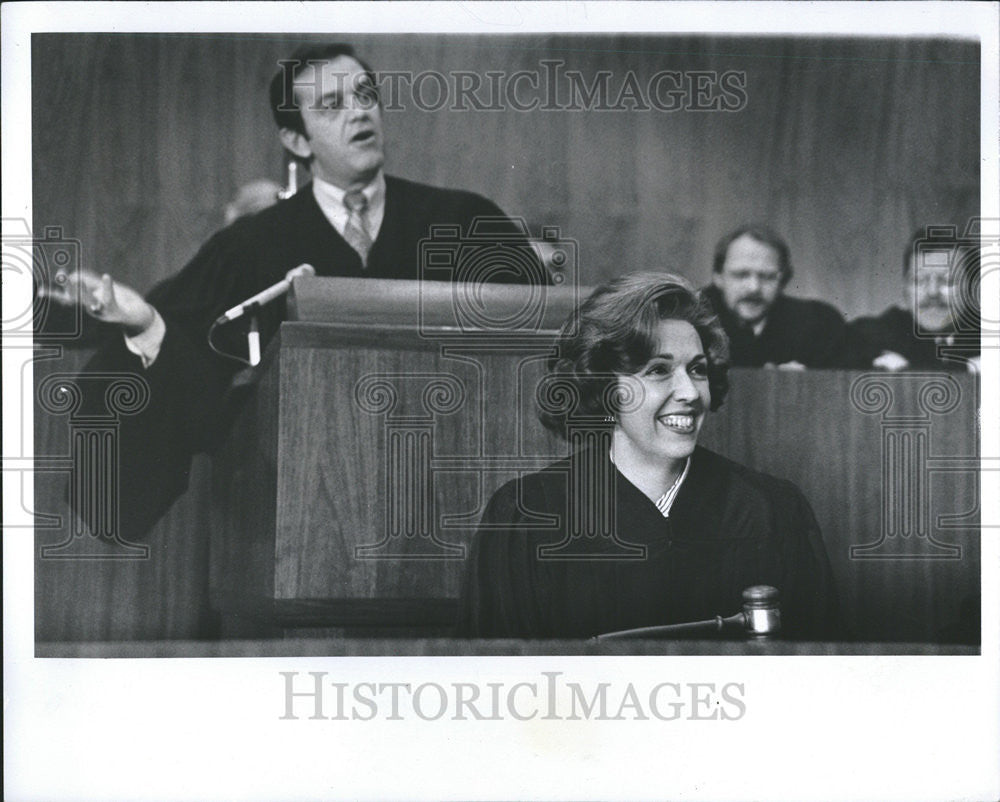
x=759 y=618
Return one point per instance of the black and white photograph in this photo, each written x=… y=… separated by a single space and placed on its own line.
x=431 y=400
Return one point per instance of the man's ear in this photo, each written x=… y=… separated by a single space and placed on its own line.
x=717 y=278
x=296 y=143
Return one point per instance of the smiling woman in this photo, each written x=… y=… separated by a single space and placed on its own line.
x=640 y=526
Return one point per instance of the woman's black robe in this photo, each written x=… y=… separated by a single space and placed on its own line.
x=730 y=527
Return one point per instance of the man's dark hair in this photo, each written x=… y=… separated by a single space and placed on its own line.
x=613 y=333
x=760 y=233
x=284 y=106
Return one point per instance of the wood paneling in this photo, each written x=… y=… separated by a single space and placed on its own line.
x=903 y=572
x=332 y=492
x=810 y=428
x=844 y=146
x=88 y=589
x=360 y=647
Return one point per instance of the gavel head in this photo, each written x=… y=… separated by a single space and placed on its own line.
x=762 y=611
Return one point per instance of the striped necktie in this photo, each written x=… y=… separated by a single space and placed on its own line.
x=356 y=229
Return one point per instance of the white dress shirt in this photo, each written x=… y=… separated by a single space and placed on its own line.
x=666 y=501
x=330 y=198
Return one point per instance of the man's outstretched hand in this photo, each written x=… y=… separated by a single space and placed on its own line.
x=104 y=299
x=891 y=361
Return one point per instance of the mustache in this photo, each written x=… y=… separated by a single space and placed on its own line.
x=752 y=297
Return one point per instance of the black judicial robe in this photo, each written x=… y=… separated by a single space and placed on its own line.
x=894 y=330
x=190 y=410
x=797 y=329
x=730 y=527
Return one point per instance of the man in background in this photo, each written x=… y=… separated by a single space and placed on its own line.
x=252 y=197
x=938 y=326
x=353 y=220
x=751 y=268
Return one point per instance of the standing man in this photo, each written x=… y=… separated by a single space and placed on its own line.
x=353 y=220
x=750 y=271
x=938 y=326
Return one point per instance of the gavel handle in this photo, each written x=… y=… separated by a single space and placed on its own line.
x=717 y=624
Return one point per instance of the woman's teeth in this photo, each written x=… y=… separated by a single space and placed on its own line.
x=680 y=423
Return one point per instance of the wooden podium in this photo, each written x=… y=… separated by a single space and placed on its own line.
x=384 y=416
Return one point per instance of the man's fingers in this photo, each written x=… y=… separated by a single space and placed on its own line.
x=78 y=286
x=106 y=293
x=102 y=295
x=67 y=289
x=890 y=360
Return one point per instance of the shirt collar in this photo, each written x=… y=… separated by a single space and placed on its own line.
x=328 y=194
x=331 y=202
x=665 y=502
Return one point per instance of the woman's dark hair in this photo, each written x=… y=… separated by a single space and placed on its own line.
x=613 y=333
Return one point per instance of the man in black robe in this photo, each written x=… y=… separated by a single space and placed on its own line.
x=750 y=271
x=938 y=326
x=353 y=221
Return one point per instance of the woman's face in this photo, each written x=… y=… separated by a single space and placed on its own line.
x=670 y=396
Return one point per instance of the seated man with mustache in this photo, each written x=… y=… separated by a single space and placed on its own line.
x=938 y=329
x=750 y=271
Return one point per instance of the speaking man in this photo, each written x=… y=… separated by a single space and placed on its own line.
x=352 y=220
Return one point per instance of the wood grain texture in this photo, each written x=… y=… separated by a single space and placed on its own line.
x=440 y=306
x=86 y=591
x=806 y=428
x=844 y=146
x=302 y=487
x=308 y=647
x=339 y=539
x=340 y=440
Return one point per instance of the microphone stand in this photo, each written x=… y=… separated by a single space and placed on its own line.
x=253 y=335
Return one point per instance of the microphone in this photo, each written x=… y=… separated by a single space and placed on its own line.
x=759 y=618
x=264 y=296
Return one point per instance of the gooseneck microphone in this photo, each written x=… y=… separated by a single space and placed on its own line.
x=759 y=618
x=272 y=292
